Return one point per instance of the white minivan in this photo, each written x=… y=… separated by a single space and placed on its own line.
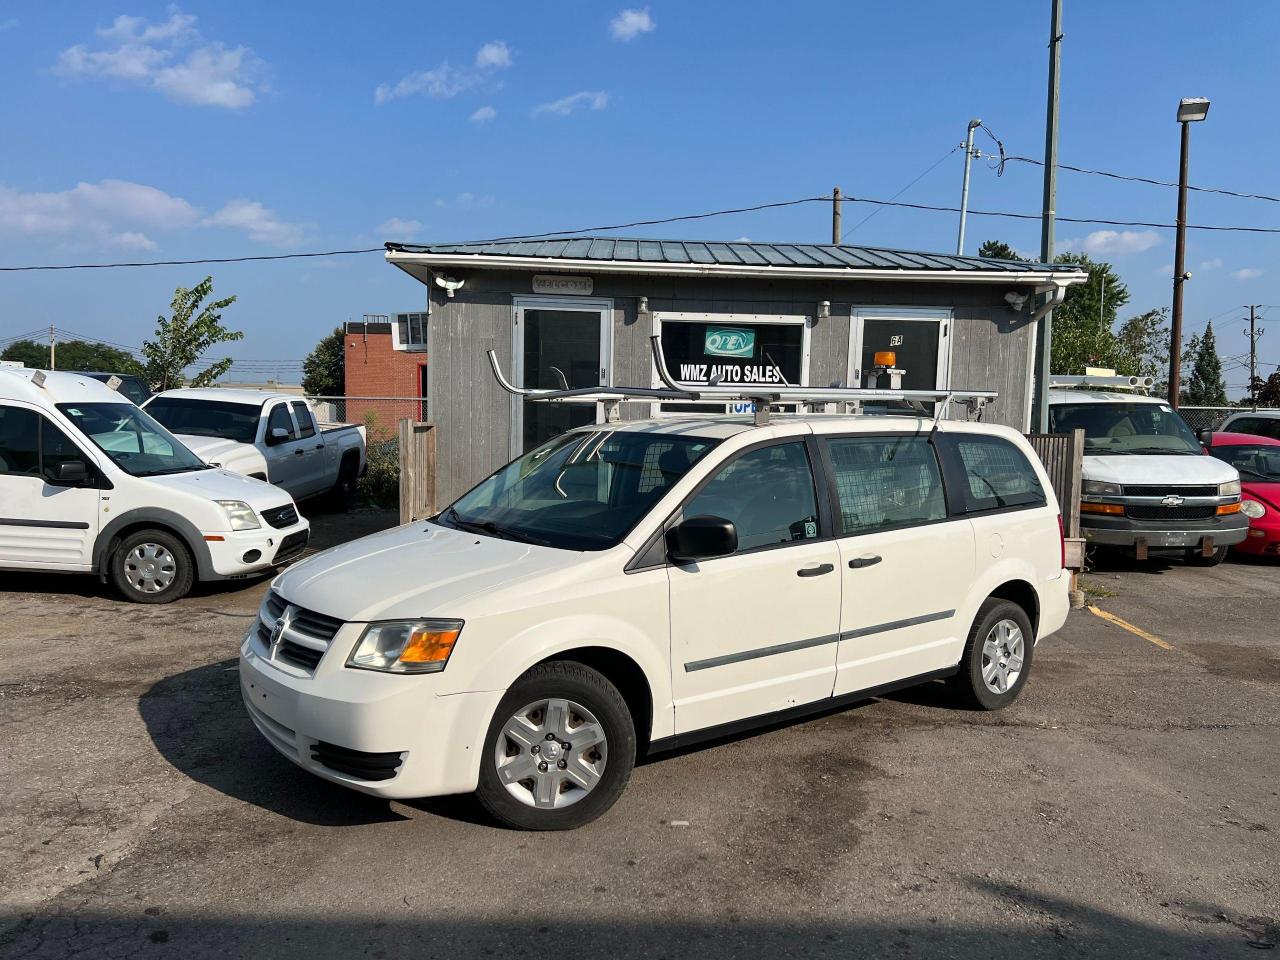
x=89 y=483
x=631 y=587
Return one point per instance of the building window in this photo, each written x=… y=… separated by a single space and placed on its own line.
x=409 y=332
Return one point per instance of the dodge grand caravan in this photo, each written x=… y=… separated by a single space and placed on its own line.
x=632 y=587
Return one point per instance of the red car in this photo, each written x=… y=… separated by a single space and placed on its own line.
x=1258 y=460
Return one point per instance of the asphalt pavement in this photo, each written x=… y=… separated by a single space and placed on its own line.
x=1126 y=805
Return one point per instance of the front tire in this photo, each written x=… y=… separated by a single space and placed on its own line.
x=152 y=566
x=560 y=749
x=997 y=656
x=1196 y=559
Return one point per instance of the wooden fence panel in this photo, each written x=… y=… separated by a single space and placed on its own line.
x=1061 y=454
x=417 y=441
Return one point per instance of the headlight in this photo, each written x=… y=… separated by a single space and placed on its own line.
x=1231 y=489
x=240 y=515
x=1252 y=509
x=1097 y=488
x=406 y=646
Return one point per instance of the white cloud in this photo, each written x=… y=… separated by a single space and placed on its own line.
x=1166 y=270
x=743 y=239
x=259 y=223
x=1214 y=264
x=109 y=211
x=1246 y=273
x=595 y=100
x=494 y=55
x=171 y=57
x=483 y=115
x=467 y=201
x=630 y=24
x=398 y=229
x=133 y=240
x=444 y=82
x=1113 y=241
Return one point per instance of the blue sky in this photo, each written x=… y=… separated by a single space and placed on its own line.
x=142 y=130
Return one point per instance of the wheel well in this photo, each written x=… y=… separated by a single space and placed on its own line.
x=625 y=674
x=114 y=543
x=351 y=456
x=1024 y=595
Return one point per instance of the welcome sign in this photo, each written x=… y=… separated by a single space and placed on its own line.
x=729 y=342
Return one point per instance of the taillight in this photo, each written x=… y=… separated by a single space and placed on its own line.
x=1062 y=543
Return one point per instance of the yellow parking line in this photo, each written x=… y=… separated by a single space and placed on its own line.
x=1126 y=625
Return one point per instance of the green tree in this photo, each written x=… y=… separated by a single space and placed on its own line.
x=182 y=339
x=999 y=250
x=73 y=355
x=1269 y=395
x=1204 y=386
x=1144 y=346
x=324 y=370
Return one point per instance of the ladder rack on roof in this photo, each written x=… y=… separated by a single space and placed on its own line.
x=1116 y=382
x=763 y=397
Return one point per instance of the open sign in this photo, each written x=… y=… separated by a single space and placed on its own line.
x=729 y=342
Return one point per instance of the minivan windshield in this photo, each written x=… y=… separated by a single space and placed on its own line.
x=134 y=442
x=578 y=491
x=1125 y=427
x=207 y=418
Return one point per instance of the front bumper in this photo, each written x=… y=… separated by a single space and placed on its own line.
x=347 y=725
x=274 y=548
x=1263 y=538
x=1163 y=534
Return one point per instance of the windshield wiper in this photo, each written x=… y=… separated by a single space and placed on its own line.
x=1161 y=451
x=169 y=470
x=489 y=527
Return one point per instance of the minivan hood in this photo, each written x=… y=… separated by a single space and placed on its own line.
x=420 y=569
x=218 y=484
x=1151 y=469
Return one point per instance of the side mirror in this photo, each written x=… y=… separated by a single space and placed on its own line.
x=72 y=472
x=1205 y=436
x=277 y=435
x=701 y=538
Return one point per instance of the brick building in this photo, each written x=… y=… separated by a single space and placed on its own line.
x=386 y=357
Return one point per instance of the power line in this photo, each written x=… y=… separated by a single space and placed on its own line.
x=1132 y=179
x=927 y=171
x=183 y=263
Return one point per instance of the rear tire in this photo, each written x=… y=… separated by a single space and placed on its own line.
x=559 y=751
x=344 y=490
x=152 y=566
x=997 y=656
x=1196 y=559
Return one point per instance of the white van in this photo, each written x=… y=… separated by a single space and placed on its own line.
x=633 y=587
x=90 y=484
x=1148 y=485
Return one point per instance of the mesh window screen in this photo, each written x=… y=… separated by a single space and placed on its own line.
x=886 y=482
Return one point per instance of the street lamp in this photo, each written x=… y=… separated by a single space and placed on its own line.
x=1189 y=111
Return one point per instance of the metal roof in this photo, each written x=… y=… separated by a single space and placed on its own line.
x=597 y=251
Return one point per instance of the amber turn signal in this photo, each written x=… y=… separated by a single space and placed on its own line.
x=1114 y=509
x=429 y=646
x=1227 y=508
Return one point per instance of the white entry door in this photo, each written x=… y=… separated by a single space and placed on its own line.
x=919 y=336
x=559 y=342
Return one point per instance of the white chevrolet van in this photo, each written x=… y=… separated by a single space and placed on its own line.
x=632 y=587
x=91 y=484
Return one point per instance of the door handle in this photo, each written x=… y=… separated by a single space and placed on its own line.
x=870 y=560
x=319 y=446
x=299 y=453
x=817 y=571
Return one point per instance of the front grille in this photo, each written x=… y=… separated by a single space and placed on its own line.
x=1171 y=513
x=291 y=546
x=281 y=517
x=1166 y=491
x=357 y=763
x=306 y=636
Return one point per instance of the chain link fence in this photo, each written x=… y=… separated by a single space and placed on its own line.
x=1197 y=418
x=380 y=416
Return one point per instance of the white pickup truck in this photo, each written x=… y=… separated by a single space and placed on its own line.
x=269 y=436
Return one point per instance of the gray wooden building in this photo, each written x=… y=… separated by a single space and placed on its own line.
x=581 y=311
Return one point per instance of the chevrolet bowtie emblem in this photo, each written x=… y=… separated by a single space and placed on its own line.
x=1173 y=500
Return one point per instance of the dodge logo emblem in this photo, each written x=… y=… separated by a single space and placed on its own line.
x=1173 y=500
x=277 y=632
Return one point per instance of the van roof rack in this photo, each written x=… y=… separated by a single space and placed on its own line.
x=762 y=397
x=1116 y=382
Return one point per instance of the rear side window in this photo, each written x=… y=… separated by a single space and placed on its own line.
x=19 y=441
x=996 y=474
x=280 y=420
x=134 y=390
x=302 y=414
x=886 y=482
x=767 y=493
x=1256 y=426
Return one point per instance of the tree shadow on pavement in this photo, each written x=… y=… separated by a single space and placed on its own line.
x=198 y=723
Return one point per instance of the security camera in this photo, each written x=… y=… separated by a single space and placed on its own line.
x=1015 y=299
x=449 y=286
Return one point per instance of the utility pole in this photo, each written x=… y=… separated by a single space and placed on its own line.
x=53 y=348
x=969 y=154
x=1190 y=111
x=835 y=217
x=1254 y=334
x=1044 y=331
